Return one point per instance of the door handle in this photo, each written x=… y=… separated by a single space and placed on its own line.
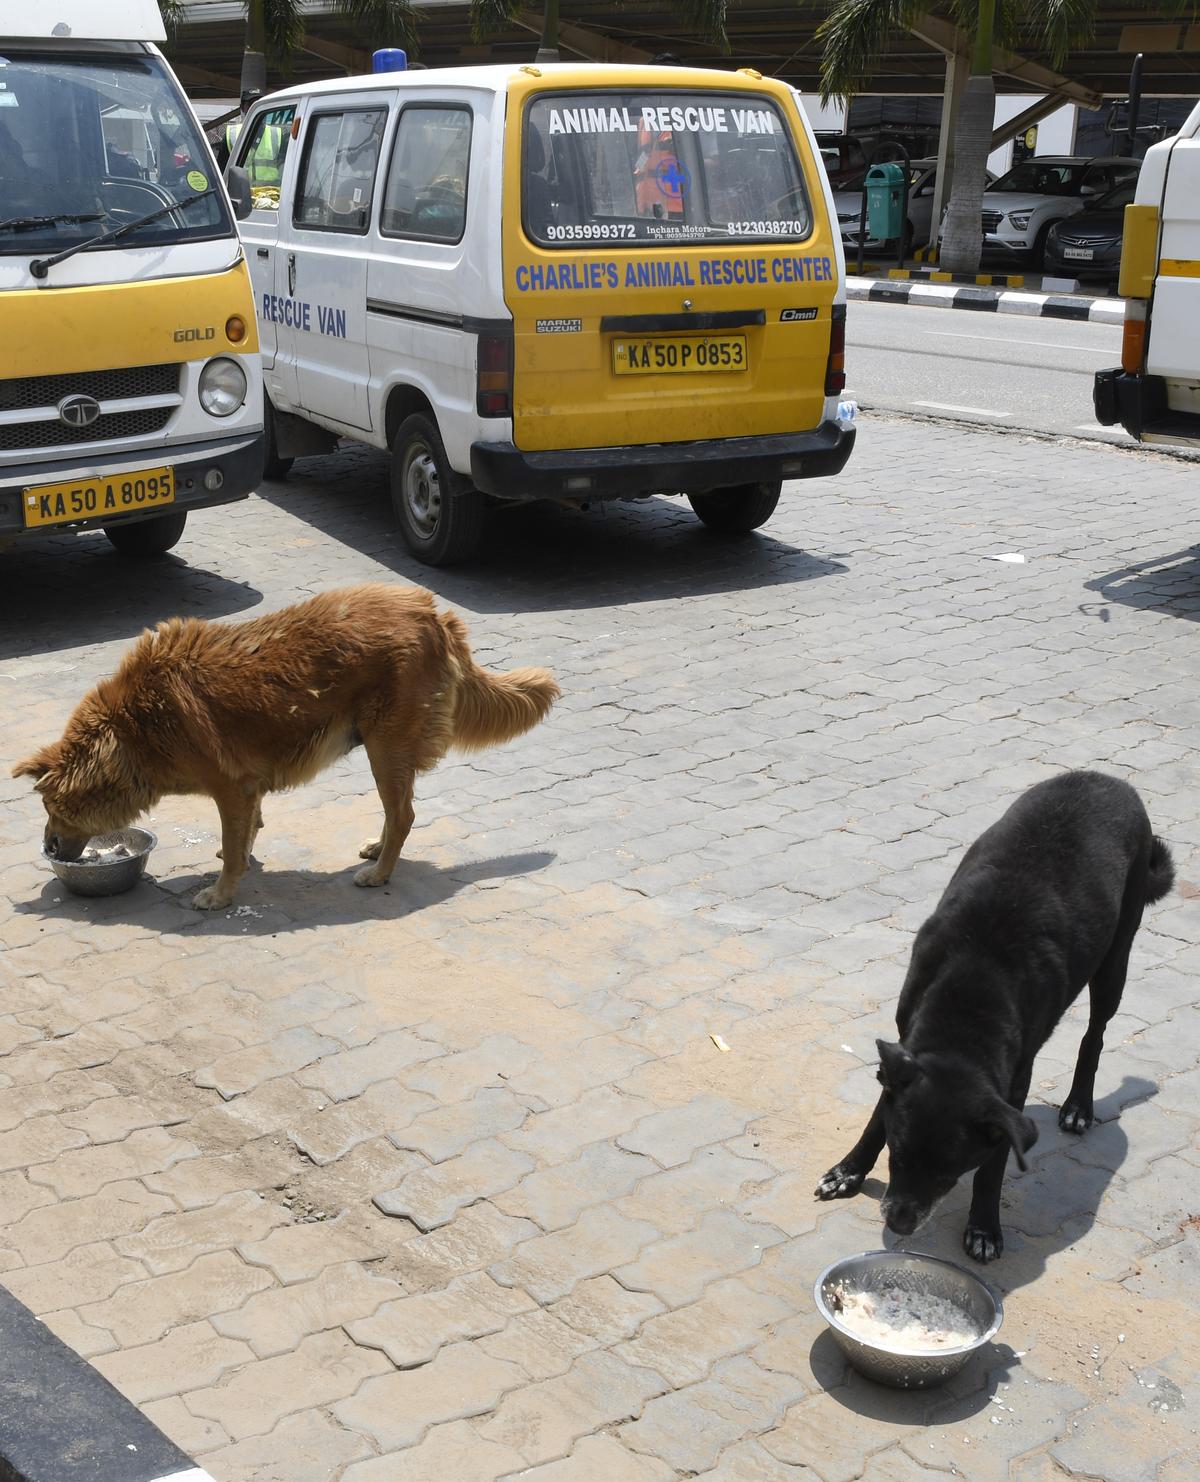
x=291 y=273
x=262 y=252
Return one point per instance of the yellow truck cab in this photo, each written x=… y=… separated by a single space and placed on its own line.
x=1155 y=392
x=548 y=282
x=130 y=385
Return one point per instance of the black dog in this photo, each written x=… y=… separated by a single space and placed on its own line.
x=1046 y=900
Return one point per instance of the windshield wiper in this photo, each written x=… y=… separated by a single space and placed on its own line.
x=27 y=223
x=42 y=265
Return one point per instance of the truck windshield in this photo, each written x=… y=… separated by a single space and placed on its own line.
x=662 y=166
x=90 y=143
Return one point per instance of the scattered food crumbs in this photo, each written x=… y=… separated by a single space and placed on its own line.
x=720 y=1043
x=848 y=1050
x=909 y=1322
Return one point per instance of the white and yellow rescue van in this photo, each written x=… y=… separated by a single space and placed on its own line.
x=130 y=386
x=548 y=282
x=1155 y=392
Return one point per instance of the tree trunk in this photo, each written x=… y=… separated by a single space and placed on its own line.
x=962 y=241
x=548 y=50
x=254 y=60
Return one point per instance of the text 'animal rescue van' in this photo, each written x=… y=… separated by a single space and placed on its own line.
x=130 y=389
x=553 y=282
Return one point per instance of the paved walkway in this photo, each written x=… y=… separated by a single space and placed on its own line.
x=450 y=1181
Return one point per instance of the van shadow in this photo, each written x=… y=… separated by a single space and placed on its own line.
x=274 y=901
x=544 y=557
x=1169 y=584
x=68 y=590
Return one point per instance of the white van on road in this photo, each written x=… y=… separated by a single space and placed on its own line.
x=564 y=282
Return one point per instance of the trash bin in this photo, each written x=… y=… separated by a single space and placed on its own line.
x=885 y=201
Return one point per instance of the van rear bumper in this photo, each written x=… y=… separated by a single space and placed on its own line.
x=660 y=468
x=1139 y=404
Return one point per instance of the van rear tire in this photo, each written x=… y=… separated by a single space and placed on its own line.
x=148 y=537
x=274 y=467
x=441 y=521
x=738 y=510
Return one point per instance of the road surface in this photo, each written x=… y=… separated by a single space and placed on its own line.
x=999 y=369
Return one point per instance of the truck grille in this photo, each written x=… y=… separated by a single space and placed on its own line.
x=26 y=392
x=991 y=222
x=39 y=397
x=15 y=436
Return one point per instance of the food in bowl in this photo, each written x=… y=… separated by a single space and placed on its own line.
x=904 y=1321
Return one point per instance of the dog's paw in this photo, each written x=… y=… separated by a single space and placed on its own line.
x=1074 y=1118
x=983 y=1245
x=371 y=875
x=211 y=899
x=839 y=1183
x=370 y=850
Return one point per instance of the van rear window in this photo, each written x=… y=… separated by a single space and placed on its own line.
x=662 y=166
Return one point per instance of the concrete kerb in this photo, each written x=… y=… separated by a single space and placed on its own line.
x=987 y=300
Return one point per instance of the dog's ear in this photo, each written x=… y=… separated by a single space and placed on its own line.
x=1006 y=1123
x=37 y=765
x=897 y=1068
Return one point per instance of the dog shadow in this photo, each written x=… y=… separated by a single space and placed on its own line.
x=1043 y=1212
x=1169 y=583
x=271 y=901
x=543 y=557
x=1049 y=1208
x=101 y=596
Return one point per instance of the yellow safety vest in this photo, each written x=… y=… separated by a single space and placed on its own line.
x=263 y=164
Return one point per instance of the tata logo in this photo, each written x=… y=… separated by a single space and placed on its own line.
x=181 y=336
x=78 y=411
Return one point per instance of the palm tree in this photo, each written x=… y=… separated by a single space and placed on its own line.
x=276 y=27
x=855 y=33
x=706 y=16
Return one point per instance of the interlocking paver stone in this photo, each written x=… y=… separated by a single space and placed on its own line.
x=187 y=1358
x=430 y=1197
x=396 y=1409
x=244 y=1069
x=319 y=1371
x=448 y=1130
x=598 y=1459
x=299 y=1252
x=276 y=1320
x=455 y=1450
x=544 y=1420
x=678 y=1270
x=174 y=1241
x=144 y=1311
x=550 y=1266
x=410 y=1330
x=348 y=1073
x=555 y=1197
x=672 y=1136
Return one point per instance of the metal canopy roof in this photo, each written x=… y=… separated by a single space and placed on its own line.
x=776 y=36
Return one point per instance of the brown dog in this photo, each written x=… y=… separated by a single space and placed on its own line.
x=236 y=710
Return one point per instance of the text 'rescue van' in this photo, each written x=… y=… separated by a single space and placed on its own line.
x=130 y=390
x=565 y=282
x=1155 y=392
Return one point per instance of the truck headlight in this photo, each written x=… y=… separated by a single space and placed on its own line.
x=222 y=387
x=1020 y=219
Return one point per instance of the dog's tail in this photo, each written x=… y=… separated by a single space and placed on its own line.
x=492 y=708
x=1161 y=875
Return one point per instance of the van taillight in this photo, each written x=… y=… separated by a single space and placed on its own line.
x=835 y=367
x=494 y=375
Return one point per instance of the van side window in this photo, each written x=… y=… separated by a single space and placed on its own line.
x=426 y=191
x=263 y=153
x=337 y=176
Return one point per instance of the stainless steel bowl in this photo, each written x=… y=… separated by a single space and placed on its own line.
x=107 y=876
x=876 y=1270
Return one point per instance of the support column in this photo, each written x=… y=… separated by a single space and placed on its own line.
x=957 y=71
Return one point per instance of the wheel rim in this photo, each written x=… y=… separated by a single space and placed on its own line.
x=422 y=492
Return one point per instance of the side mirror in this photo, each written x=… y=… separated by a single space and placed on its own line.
x=239 y=191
